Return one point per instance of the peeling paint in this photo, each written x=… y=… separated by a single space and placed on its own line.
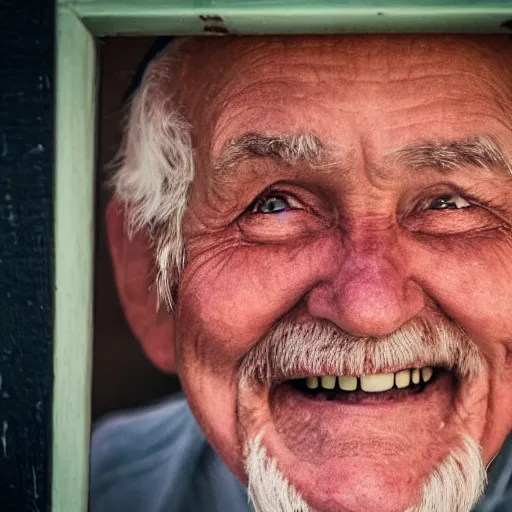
x=34 y=479
x=37 y=150
x=213 y=24
x=4 y=437
x=11 y=219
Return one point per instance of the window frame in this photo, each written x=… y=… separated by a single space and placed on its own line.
x=79 y=23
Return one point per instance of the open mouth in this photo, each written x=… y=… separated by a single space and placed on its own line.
x=378 y=416
x=344 y=431
x=332 y=428
x=375 y=387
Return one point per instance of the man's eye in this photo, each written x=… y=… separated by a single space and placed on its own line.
x=271 y=204
x=447 y=202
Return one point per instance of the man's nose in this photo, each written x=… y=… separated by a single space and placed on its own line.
x=370 y=293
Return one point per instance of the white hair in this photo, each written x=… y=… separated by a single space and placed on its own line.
x=455 y=486
x=268 y=489
x=155 y=167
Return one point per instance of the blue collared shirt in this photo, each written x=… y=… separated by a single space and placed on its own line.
x=157 y=460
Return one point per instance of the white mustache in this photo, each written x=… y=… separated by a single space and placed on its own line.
x=293 y=350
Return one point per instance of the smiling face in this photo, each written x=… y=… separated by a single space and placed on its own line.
x=350 y=217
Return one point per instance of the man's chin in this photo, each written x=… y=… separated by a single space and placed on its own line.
x=373 y=456
x=355 y=484
x=454 y=485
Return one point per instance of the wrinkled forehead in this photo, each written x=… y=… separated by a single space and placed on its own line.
x=373 y=51
x=246 y=80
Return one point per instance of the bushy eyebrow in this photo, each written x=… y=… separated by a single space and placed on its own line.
x=290 y=149
x=482 y=152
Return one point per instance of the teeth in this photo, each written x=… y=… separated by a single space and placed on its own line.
x=374 y=383
x=312 y=382
x=426 y=373
x=378 y=382
x=329 y=382
x=347 y=383
x=402 y=379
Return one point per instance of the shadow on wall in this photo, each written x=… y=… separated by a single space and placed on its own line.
x=122 y=375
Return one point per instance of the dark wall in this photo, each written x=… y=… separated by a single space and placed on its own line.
x=26 y=252
x=122 y=376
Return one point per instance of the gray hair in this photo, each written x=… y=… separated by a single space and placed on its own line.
x=154 y=169
x=291 y=351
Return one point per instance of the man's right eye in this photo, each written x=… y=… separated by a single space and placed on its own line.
x=271 y=204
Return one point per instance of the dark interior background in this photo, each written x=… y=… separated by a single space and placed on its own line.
x=123 y=377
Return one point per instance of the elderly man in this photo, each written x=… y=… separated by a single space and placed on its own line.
x=315 y=233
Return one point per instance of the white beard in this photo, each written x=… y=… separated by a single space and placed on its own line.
x=455 y=486
x=268 y=489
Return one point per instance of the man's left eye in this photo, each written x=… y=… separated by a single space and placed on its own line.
x=271 y=204
x=447 y=202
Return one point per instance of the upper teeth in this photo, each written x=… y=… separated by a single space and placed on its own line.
x=372 y=383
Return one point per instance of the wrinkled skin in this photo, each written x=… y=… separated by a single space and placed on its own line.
x=351 y=247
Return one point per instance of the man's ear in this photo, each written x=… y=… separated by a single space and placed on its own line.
x=135 y=272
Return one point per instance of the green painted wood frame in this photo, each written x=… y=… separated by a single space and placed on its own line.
x=78 y=23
